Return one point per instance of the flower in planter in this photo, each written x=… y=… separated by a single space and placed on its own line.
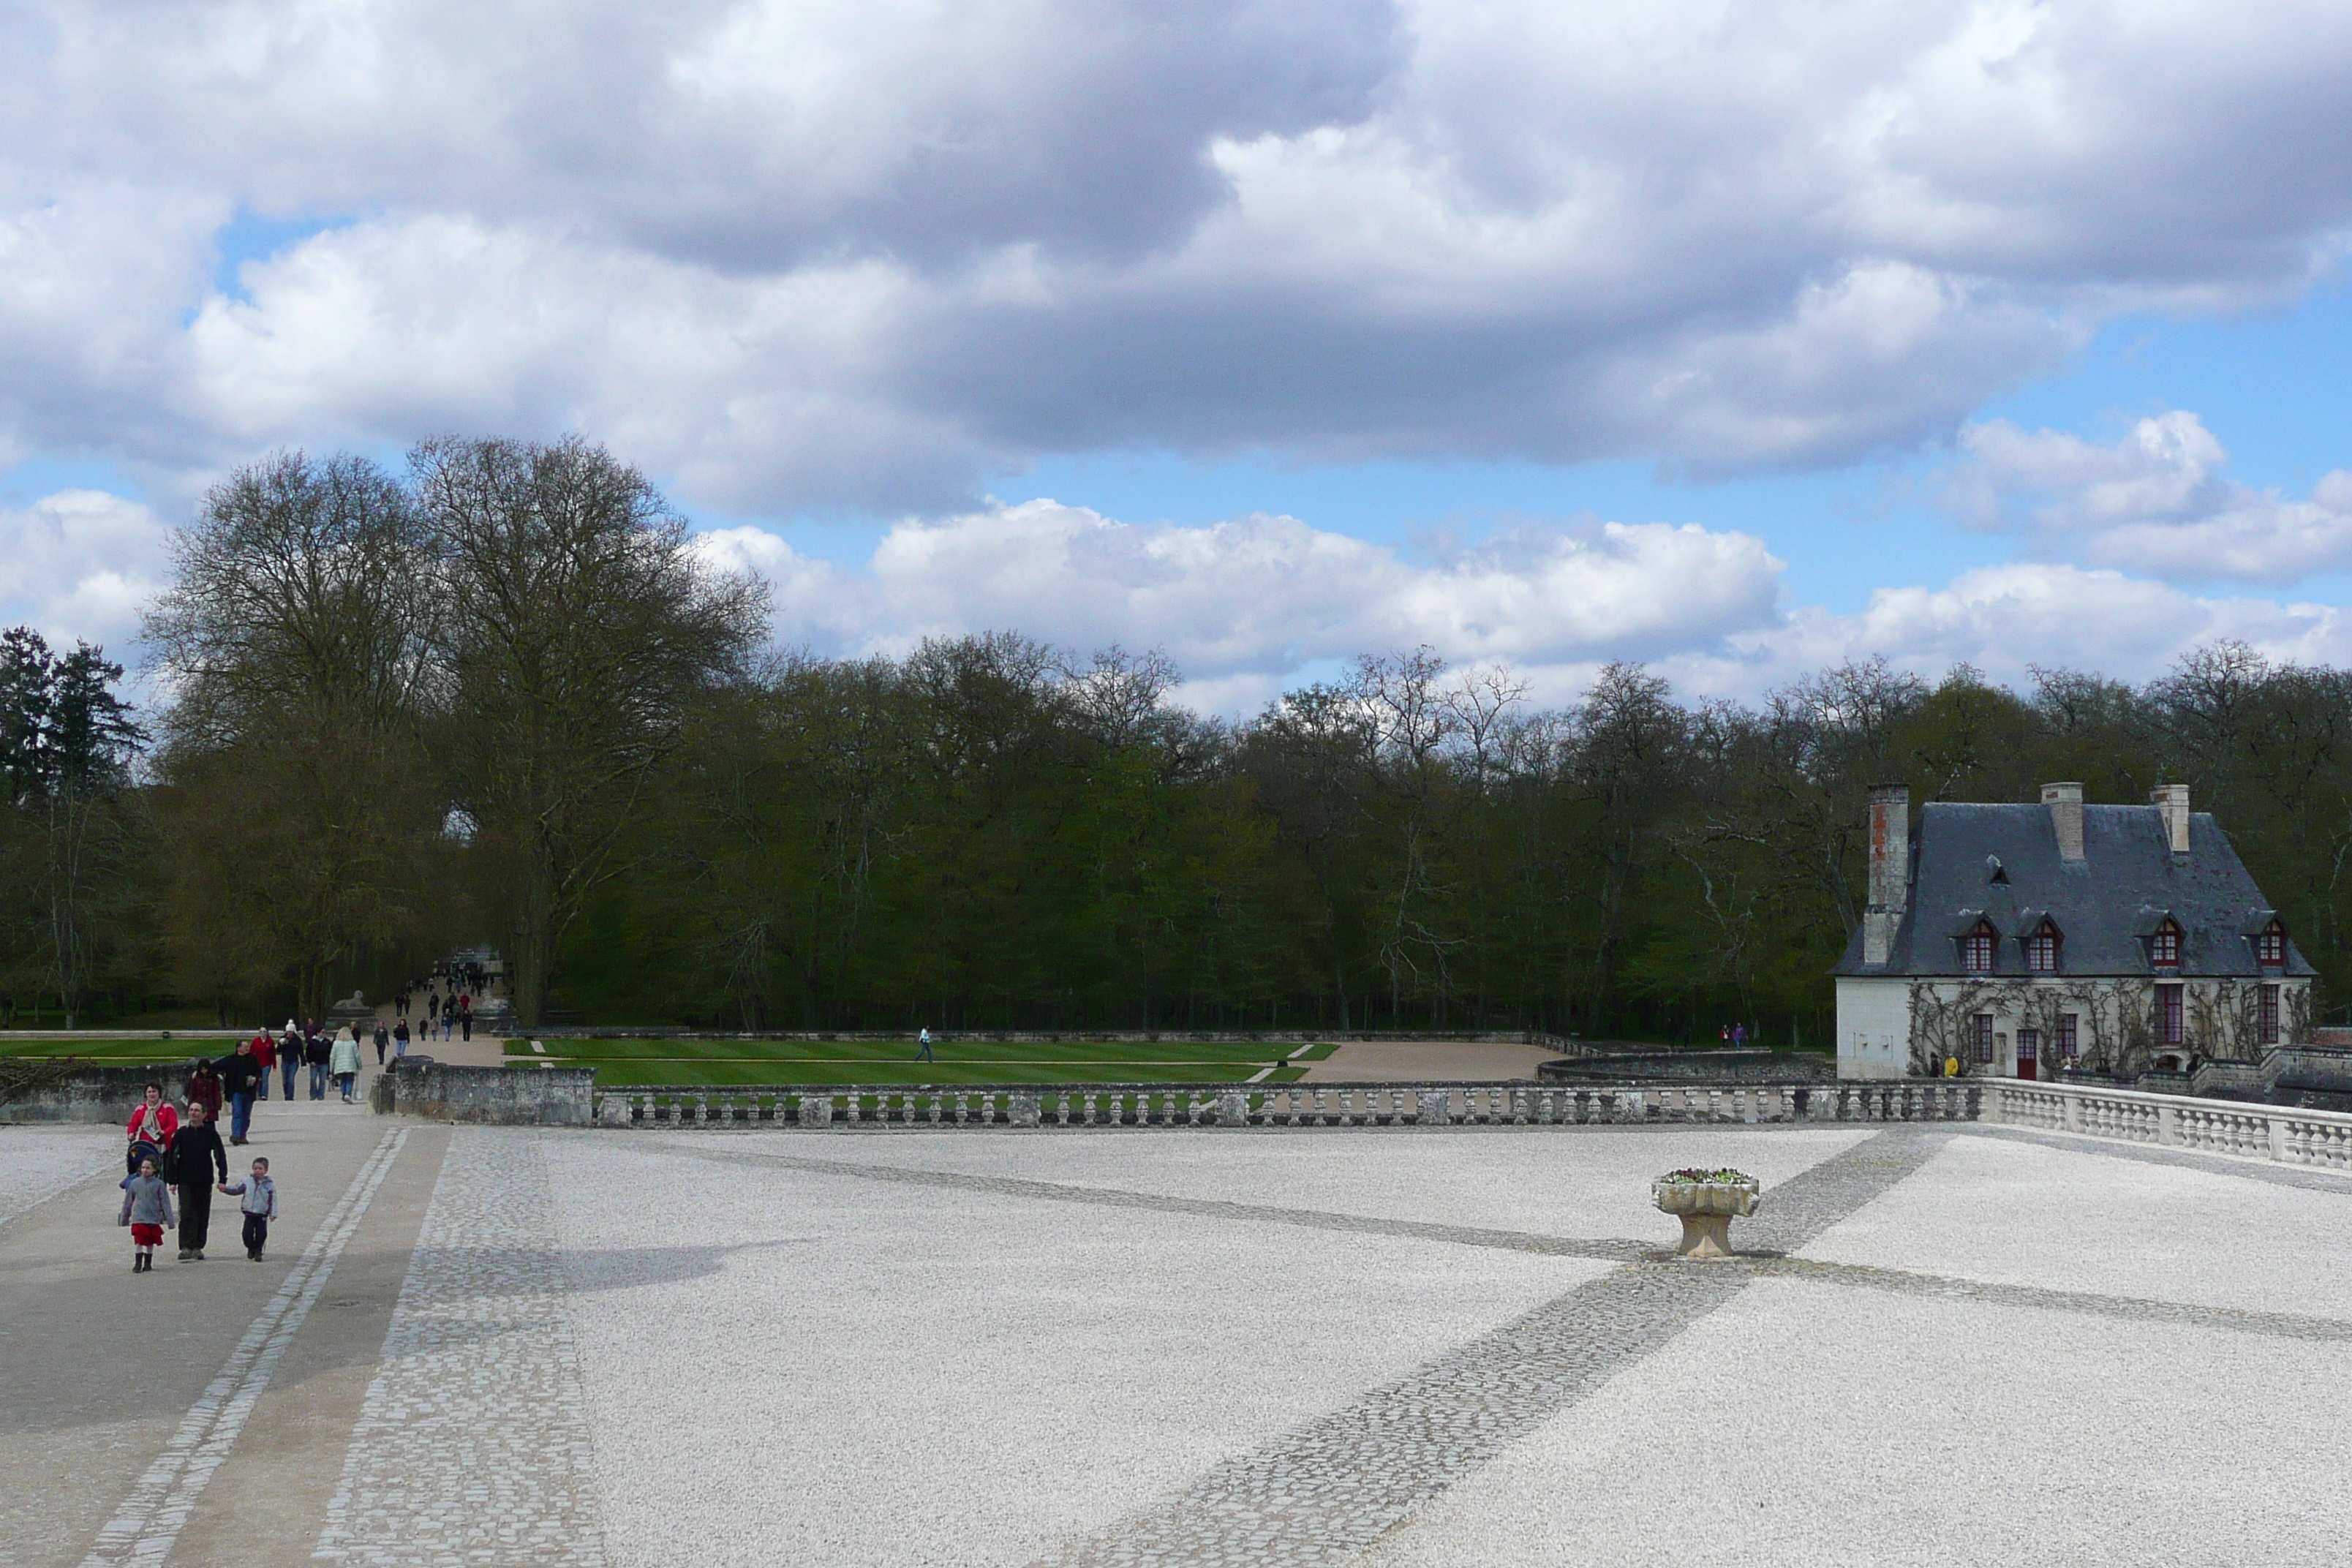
x=1693 y=1175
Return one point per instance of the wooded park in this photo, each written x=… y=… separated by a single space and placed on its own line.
x=501 y=698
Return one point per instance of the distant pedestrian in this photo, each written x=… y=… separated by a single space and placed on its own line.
x=400 y=1039
x=147 y=1210
x=290 y=1057
x=345 y=1063
x=239 y=1074
x=265 y=1057
x=1739 y=1037
x=448 y=1019
x=258 y=1201
x=465 y=1019
x=382 y=1039
x=195 y=1154
x=432 y=1009
x=204 y=1087
x=400 y=1003
x=925 y=1054
x=315 y=1051
x=152 y=1126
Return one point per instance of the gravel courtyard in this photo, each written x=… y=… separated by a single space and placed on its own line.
x=1387 y=1347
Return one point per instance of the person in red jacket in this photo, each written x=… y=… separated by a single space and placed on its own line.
x=152 y=1126
x=265 y=1051
x=204 y=1088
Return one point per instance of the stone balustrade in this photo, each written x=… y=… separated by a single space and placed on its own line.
x=1285 y=1105
x=2210 y=1126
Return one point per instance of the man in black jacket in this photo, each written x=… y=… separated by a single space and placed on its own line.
x=240 y=1076
x=315 y=1051
x=194 y=1154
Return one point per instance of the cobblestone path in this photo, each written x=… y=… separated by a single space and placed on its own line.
x=1328 y=1491
x=472 y=1446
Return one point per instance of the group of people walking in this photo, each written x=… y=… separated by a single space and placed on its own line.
x=176 y=1152
x=454 y=1014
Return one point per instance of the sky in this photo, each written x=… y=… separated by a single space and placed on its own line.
x=1734 y=339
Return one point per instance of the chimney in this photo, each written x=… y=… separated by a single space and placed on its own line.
x=2171 y=802
x=1890 y=869
x=2065 y=804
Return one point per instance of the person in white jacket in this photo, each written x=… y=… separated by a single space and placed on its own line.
x=343 y=1061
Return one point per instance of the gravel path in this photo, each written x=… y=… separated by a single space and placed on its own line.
x=37 y=1164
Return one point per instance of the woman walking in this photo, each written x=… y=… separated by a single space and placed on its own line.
x=203 y=1088
x=147 y=1210
x=344 y=1064
x=400 y=1039
x=152 y=1126
x=195 y=1154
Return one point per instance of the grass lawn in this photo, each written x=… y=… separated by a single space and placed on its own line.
x=100 y=1051
x=686 y=1063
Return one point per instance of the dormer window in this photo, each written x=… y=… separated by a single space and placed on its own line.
x=2270 y=947
x=2042 y=950
x=1976 y=949
x=2164 y=947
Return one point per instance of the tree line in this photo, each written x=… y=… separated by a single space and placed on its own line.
x=500 y=697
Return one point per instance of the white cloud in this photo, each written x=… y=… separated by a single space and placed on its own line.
x=803 y=253
x=1251 y=606
x=1255 y=598
x=2152 y=503
x=81 y=563
x=2006 y=620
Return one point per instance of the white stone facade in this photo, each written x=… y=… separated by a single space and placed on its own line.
x=1874 y=1027
x=1893 y=1026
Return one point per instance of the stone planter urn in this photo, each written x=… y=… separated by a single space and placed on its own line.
x=1706 y=1202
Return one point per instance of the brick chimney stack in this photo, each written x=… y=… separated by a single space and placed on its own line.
x=2171 y=802
x=2065 y=804
x=1890 y=870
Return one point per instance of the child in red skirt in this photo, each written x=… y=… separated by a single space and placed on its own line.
x=147 y=1210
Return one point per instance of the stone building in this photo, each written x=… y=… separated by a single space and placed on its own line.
x=2022 y=940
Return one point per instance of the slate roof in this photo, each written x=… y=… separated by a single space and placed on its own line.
x=2104 y=905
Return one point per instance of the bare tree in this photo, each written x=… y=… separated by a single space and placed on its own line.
x=297 y=643
x=583 y=627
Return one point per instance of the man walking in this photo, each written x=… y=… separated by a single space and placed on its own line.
x=925 y=1054
x=240 y=1075
x=290 y=1057
x=314 y=1054
x=194 y=1156
x=265 y=1057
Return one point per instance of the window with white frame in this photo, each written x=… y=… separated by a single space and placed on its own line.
x=2042 y=950
x=1976 y=948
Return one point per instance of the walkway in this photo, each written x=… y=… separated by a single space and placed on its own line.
x=1400 y=1349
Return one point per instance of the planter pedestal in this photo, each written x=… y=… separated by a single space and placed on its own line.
x=1706 y=1210
x=1705 y=1235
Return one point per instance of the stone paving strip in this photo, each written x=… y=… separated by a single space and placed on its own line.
x=472 y=1446
x=1797 y=1211
x=1332 y=1487
x=1611 y=1250
x=150 y=1520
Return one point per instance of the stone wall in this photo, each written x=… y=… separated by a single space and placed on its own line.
x=34 y=1088
x=1691 y=1067
x=549 y=1097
